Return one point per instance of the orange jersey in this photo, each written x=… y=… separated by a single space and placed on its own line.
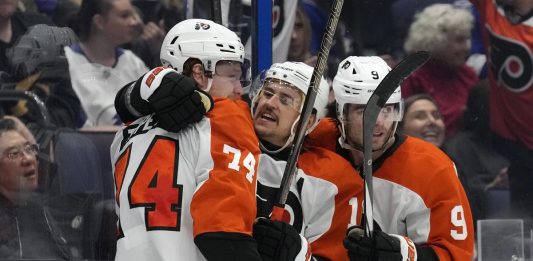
x=324 y=135
x=510 y=53
x=417 y=194
x=347 y=209
x=324 y=199
x=171 y=187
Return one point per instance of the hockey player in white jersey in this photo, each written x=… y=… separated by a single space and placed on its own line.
x=420 y=209
x=323 y=200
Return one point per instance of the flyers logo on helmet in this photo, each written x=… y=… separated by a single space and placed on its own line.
x=346 y=65
x=203 y=26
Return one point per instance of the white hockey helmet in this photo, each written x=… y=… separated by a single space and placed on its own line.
x=356 y=79
x=202 y=39
x=297 y=75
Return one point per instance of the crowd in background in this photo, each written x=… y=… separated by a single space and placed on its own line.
x=471 y=100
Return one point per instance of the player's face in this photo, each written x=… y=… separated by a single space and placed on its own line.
x=423 y=120
x=278 y=107
x=18 y=164
x=227 y=80
x=382 y=130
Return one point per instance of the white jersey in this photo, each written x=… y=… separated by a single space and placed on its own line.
x=96 y=85
x=323 y=199
x=171 y=187
x=300 y=213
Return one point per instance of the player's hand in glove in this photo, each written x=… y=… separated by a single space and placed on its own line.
x=173 y=97
x=381 y=246
x=279 y=241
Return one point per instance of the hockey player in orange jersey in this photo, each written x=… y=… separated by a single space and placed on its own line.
x=420 y=209
x=188 y=195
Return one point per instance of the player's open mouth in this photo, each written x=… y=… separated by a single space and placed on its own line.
x=268 y=117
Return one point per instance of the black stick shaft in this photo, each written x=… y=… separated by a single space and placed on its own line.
x=325 y=46
x=372 y=109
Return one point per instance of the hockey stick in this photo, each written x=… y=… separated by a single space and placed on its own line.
x=370 y=115
x=217 y=12
x=290 y=168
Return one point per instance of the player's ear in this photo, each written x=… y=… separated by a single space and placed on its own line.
x=198 y=75
x=311 y=121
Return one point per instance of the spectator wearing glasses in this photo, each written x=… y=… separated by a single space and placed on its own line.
x=27 y=230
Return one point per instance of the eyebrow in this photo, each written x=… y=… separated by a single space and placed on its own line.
x=424 y=111
x=268 y=88
x=18 y=145
x=287 y=95
x=293 y=92
x=8 y=149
